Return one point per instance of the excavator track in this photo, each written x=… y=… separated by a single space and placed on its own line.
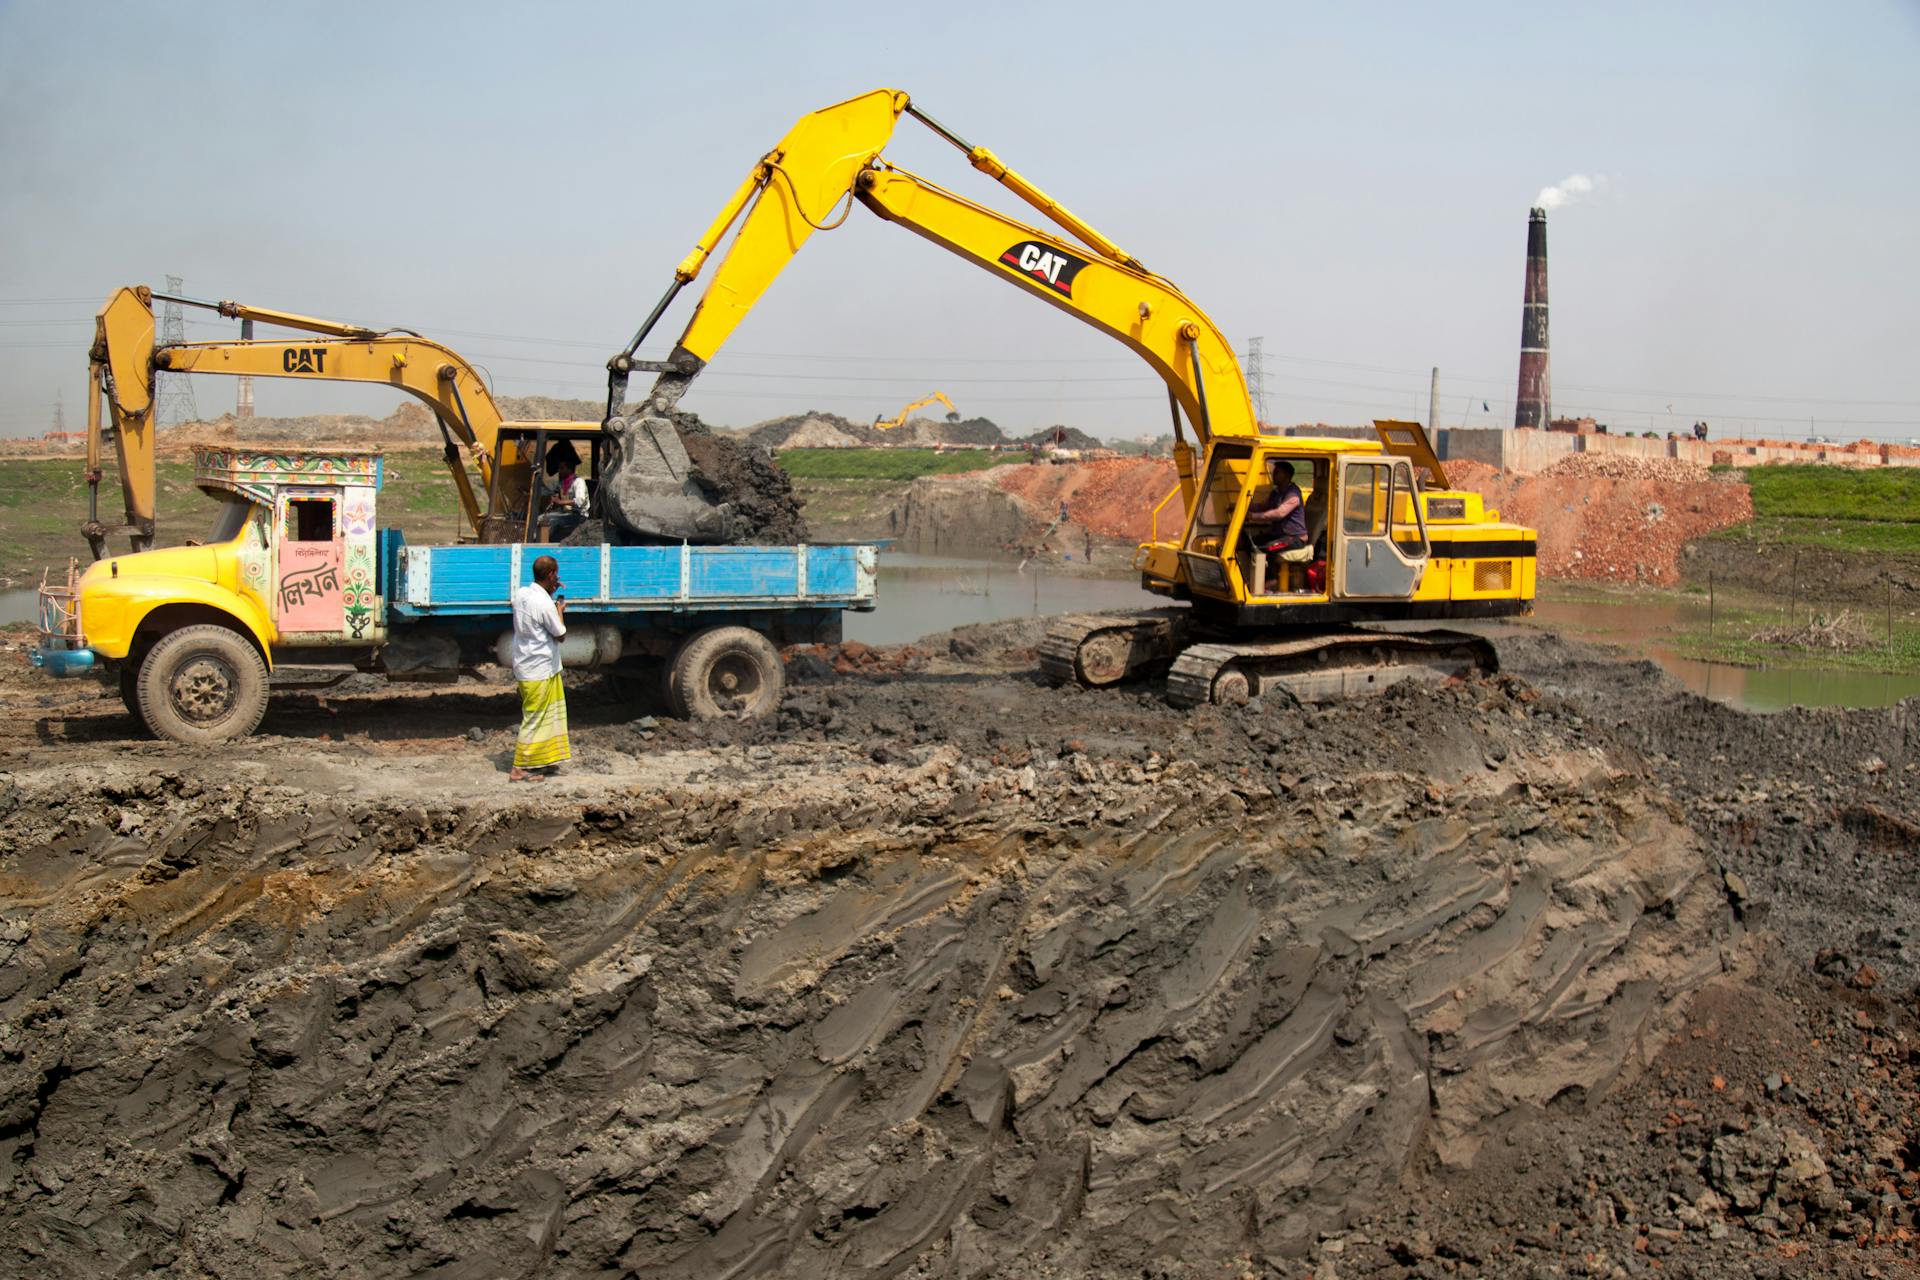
x=1096 y=649
x=1325 y=667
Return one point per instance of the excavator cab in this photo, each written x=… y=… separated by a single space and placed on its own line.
x=1366 y=535
x=527 y=467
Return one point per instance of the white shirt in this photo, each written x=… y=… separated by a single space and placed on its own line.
x=536 y=625
x=577 y=496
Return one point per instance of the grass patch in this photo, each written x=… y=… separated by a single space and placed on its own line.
x=1883 y=537
x=1836 y=493
x=1876 y=510
x=887 y=464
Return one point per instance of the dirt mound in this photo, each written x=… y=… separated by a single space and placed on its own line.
x=1064 y=436
x=550 y=409
x=766 y=510
x=1114 y=498
x=926 y=970
x=943 y=971
x=817 y=430
x=966 y=514
x=779 y=433
x=980 y=431
x=1608 y=518
x=410 y=425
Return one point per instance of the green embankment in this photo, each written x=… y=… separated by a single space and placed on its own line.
x=1838 y=508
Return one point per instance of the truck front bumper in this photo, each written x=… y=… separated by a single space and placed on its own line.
x=62 y=663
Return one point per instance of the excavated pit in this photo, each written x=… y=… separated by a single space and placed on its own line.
x=948 y=974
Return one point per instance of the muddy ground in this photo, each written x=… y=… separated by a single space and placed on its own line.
x=947 y=973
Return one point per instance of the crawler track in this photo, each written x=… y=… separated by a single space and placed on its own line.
x=1104 y=648
x=1322 y=667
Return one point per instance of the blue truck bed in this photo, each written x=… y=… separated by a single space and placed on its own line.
x=454 y=581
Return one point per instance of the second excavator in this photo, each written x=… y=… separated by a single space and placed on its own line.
x=1378 y=534
x=899 y=419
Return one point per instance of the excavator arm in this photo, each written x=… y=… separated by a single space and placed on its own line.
x=125 y=360
x=900 y=418
x=831 y=158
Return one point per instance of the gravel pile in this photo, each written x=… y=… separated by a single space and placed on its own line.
x=1612 y=519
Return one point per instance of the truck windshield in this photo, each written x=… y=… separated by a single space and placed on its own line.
x=229 y=519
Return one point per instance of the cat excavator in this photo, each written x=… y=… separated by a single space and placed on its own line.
x=1390 y=541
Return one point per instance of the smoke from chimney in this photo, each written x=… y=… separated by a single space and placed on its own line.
x=1533 y=403
x=1567 y=190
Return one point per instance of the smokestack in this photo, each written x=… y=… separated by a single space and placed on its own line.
x=1533 y=404
x=244 y=407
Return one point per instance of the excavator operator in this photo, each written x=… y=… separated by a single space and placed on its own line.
x=1284 y=518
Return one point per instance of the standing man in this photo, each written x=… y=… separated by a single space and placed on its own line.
x=539 y=622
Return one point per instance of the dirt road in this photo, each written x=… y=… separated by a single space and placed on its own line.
x=948 y=973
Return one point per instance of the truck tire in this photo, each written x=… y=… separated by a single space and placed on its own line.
x=130 y=694
x=202 y=684
x=725 y=673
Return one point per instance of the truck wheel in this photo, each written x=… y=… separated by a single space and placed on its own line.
x=725 y=673
x=202 y=684
x=130 y=694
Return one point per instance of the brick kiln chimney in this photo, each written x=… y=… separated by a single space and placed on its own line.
x=1533 y=404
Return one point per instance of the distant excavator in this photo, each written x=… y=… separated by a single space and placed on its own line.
x=1273 y=573
x=898 y=419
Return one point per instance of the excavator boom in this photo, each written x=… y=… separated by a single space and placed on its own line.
x=807 y=183
x=900 y=418
x=125 y=359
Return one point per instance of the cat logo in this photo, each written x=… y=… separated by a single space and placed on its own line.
x=304 y=360
x=1048 y=265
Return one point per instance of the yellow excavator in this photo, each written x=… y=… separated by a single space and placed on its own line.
x=1386 y=539
x=900 y=418
x=506 y=456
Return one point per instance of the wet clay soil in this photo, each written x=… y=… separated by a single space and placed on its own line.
x=947 y=973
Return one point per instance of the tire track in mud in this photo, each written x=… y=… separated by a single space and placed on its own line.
x=963 y=1025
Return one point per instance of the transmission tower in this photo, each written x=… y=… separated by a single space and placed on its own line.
x=59 y=413
x=173 y=394
x=1257 y=376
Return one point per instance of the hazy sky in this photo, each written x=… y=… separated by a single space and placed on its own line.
x=1350 y=185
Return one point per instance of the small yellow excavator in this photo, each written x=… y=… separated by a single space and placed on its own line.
x=1385 y=538
x=900 y=418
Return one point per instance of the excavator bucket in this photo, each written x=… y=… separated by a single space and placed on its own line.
x=651 y=490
